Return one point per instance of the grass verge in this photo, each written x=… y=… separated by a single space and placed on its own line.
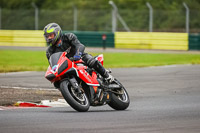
x=20 y=60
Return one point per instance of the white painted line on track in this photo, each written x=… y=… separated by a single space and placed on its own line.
x=16 y=73
x=168 y=66
x=26 y=88
x=12 y=107
x=49 y=103
x=58 y=103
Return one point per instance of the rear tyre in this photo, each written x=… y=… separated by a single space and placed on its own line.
x=119 y=101
x=77 y=101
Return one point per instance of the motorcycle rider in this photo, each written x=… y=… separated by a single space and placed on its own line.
x=68 y=42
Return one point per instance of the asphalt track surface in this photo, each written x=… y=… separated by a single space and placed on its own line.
x=163 y=100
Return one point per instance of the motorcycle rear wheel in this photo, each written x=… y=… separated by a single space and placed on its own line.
x=77 y=101
x=119 y=101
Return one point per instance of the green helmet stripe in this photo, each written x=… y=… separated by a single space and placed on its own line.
x=58 y=35
x=50 y=30
x=49 y=26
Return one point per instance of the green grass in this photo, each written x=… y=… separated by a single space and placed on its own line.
x=148 y=59
x=19 y=60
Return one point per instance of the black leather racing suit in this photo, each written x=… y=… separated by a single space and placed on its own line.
x=71 y=44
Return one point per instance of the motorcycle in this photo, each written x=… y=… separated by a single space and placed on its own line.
x=82 y=86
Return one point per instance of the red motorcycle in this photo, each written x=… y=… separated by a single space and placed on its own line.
x=82 y=86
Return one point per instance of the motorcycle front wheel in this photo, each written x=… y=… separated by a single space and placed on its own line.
x=119 y=100
x=77 y=101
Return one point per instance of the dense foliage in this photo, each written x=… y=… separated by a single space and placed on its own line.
x=95 y=15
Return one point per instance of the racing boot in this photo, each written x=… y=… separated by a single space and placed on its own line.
x=109 y=78
x=91 y=62
x=102 y=71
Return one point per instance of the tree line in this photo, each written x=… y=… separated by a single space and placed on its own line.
x=95 y=15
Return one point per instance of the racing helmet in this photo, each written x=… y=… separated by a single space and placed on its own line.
x=50 y=29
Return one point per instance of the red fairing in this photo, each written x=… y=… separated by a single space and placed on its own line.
x=79 y=61
x=48 y=71
x=81 y=72
x=85 y=76
x=100 y=58
x=60 y=62
x=53 y=75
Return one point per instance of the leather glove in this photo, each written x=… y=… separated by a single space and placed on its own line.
x=77 y=56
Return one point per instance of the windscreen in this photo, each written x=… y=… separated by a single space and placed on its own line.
x=53 y=60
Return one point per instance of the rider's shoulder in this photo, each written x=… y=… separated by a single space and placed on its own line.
x=69 y=36
x=49 y=48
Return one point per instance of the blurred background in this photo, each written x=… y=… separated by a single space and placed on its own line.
x=132 y=24
x=96 y=15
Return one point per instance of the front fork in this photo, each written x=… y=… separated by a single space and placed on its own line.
x=75 y=85
x=103 y=97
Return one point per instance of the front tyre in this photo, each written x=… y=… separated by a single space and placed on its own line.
x=77 y=101
x=119 y=100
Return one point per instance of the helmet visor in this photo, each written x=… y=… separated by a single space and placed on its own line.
x=49 y=37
